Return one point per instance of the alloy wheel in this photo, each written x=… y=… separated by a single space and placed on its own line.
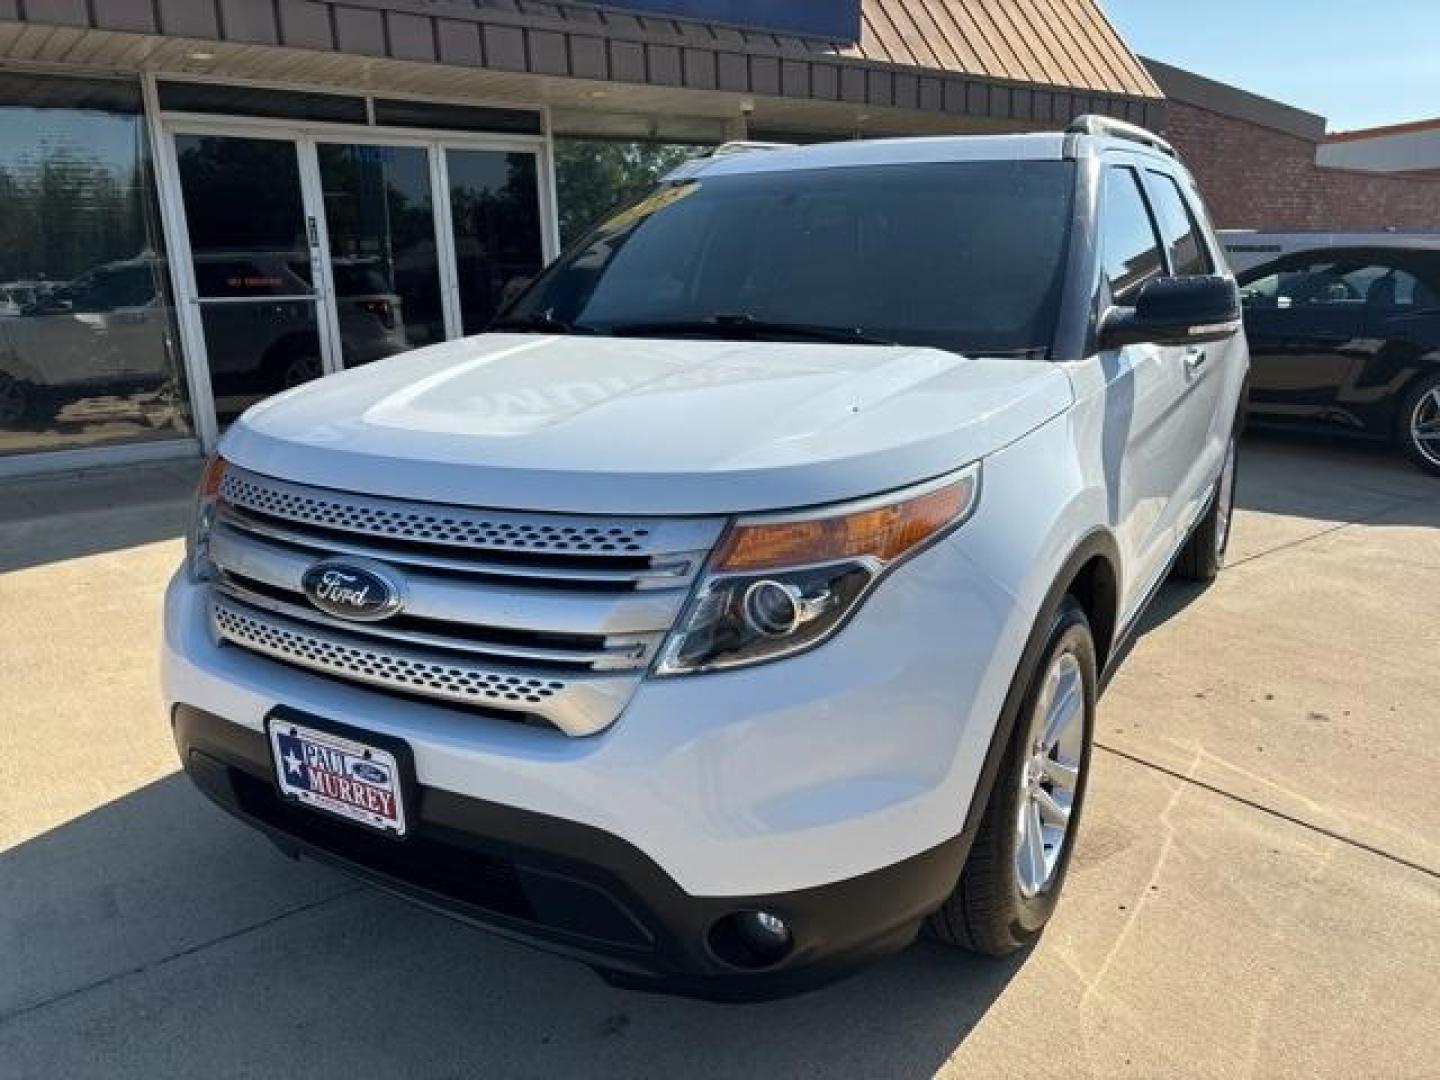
x=1425 y=426
x=1050 y=774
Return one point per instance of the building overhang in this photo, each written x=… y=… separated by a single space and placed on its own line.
x=646 y=76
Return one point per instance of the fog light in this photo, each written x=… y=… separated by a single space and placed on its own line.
x=751 y=939
x=766 y=935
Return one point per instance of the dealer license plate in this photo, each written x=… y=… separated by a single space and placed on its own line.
x=339 y=775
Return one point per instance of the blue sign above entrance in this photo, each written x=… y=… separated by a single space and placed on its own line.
x=834 y=20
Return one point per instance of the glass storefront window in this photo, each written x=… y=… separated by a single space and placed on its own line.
x=88 y=349
x=494 y=202
x=596 y=177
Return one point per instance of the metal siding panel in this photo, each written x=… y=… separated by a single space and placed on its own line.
x=1001 y=104
x=358 y=30
x=305 y=24
x=699 y=65
x=1082 y=50
x=249 y=21
x=934 y=21
x=504 y=48
x=824 y=81
x=733 y=72
x=879 y=89
x=587 y=58
x=907 y=91
x=954 y=95
x=920 y=46
x=627 y=61
x=765 y=75
x=9 y=9
x=189 y=18
x=979 y=35
x=794 y=78
x=548 y=54
x=977 y=99
x=459 y=42
x=411 y=37
x=852 y=85
x=137 y=16
x=932 y=95
x=57 y=12
x=664 y=65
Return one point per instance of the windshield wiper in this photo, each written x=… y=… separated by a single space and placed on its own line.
x=541 y=324
x=727 y=326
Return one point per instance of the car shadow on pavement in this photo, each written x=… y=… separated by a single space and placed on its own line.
x=1333 y=480
x=155 y=936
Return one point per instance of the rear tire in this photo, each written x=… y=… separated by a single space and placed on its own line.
x=1203 y=555
x=1418 y=428
x=1013 y=876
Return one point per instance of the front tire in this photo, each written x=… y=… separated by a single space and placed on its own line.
x=1419 y=426
x=1012 y=879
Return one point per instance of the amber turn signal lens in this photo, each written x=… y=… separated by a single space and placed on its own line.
x=210 y=479
x=882 y=532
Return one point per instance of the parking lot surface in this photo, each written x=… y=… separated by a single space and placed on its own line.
x=1256 y=890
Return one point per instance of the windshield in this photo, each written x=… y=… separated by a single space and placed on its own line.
x=963 y=256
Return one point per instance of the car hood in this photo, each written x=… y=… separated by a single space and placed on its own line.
x=632 y=426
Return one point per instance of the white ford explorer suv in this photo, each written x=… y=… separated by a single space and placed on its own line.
x=739 y=604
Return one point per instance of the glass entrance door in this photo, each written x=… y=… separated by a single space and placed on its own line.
x=313 y=250
x=384 y=257
x=255 y=265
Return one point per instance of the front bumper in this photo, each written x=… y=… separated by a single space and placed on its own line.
x=574 y=889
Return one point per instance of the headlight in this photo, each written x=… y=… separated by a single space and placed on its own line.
x=197 y=537
x=778 y=585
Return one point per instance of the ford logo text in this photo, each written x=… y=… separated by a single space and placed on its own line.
x=352 y=590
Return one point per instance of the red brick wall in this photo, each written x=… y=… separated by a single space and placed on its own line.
x=1255 y=177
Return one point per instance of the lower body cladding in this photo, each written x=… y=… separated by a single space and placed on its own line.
x=741 y=834
x=579 y=891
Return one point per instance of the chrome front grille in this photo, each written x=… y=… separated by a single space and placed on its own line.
x=549 y=617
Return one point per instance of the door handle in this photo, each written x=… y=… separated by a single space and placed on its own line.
x=1195 y=359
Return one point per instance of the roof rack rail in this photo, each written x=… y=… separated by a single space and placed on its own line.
x=1095 y=124
x=741 y=146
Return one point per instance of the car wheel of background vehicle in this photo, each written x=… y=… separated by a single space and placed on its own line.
x=1204 y=553
x=14 y=400
x=1017 y=864
x=1419 y=427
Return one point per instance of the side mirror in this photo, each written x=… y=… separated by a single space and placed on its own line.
x=1175 y=311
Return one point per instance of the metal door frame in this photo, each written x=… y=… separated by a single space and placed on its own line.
x=182 y=266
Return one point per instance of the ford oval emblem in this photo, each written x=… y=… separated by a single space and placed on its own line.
x=370 y=773
x=351 y=589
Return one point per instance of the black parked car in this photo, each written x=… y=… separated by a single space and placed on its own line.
x=1348 y=339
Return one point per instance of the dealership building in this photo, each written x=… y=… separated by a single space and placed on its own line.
x=206 y=201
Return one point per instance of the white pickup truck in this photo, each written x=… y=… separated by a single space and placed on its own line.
x=740 y=603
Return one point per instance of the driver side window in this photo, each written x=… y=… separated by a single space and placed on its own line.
x=1129 y=247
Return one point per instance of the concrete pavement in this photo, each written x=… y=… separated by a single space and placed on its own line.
x=1256 y=889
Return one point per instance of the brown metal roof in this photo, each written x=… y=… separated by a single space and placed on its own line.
x=1066 y=43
